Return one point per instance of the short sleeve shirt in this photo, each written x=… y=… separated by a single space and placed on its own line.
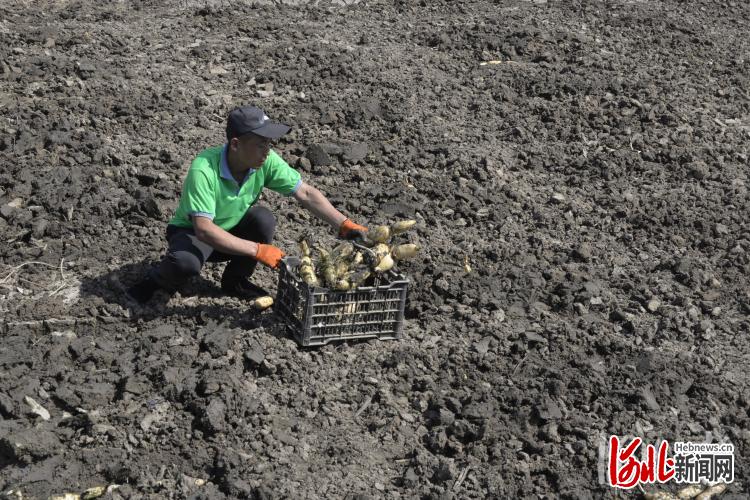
x=211 y=191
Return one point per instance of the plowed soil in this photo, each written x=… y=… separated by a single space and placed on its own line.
x=588 y=159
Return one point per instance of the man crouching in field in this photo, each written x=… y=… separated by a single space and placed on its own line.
x=218 y=219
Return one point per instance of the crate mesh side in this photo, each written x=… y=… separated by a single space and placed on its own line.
x=319 y=315
x=357 y=313
x=291 y=300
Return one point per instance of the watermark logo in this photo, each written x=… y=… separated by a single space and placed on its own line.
x=632 y=463
x=699 y=462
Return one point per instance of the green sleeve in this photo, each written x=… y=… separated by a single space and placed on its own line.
x=279 y=176
x=198 y=193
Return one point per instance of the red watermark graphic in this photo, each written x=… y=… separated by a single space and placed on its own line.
x=632 y=463
x=626 y=471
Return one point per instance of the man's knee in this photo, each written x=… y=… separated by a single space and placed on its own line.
x=180 y=266
x=186 y=263
x=176 y=268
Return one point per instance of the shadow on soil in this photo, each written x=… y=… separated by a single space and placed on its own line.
x=111 y=288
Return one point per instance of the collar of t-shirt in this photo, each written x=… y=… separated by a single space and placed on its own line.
x=226 y=173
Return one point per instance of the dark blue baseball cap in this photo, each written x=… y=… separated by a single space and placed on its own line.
x=253 y=120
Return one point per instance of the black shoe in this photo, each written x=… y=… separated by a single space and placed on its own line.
x=142 y=291
x=242 y=288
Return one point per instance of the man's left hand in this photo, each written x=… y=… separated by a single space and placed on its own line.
x=351 y=231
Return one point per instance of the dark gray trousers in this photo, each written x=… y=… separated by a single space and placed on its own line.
x=187 y=254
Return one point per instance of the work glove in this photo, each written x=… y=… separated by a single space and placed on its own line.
x=269 y=255
x=352 y=231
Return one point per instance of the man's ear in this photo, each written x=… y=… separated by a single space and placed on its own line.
x=234 y=143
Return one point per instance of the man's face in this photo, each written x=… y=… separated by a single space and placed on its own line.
x=251 y=150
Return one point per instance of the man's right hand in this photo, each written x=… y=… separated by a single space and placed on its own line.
x=352 y=231
x=269 y=255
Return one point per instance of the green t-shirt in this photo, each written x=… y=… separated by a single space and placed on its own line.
x=210 y=190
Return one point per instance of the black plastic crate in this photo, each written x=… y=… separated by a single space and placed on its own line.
x=317 y=315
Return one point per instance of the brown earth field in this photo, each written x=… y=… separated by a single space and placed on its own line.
x=587 y=159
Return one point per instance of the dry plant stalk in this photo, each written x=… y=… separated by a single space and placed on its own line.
x=12 y=279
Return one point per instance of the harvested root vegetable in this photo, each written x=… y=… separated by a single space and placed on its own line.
x=690 y=491
x=379 y=234
x=327 y=267
x=94 y=492
x=307 y=271
x=405 y=251
x=712 y=492
x=385 y=264
x=358 y=278
x=341 y=268
x=324 y=254
x=402 y=226
x=349 y=265
x=342 y=285
x=263 y=303
x=342 y=251
x=304 y=247
x=381 y=250
x=310 y=279
x=659 y=495
x=357 y=259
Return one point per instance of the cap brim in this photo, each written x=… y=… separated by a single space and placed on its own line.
x=272 y=130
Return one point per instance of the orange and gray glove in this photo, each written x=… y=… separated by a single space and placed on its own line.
x=351 y=231
x=269 y=255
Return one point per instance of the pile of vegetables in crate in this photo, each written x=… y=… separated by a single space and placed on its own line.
x=350 y=264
